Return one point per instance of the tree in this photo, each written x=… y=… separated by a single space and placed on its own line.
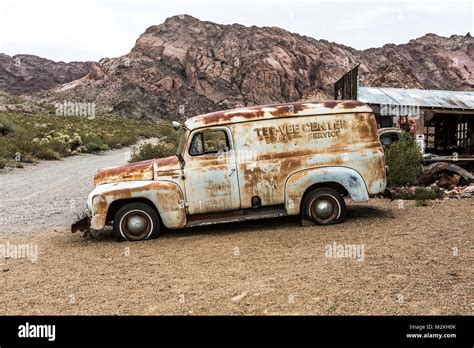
x=404 y=161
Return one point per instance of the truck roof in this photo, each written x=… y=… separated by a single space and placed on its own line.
x=261 y=112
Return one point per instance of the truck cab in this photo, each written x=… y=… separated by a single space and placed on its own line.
x=248 y=163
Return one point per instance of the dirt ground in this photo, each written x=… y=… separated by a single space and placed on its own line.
x=416 y=260
x=406 y=259
x=51 y=194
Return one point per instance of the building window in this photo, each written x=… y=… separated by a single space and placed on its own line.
x=461 y=134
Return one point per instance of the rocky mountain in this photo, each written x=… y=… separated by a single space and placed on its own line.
x=185 y=66
x=24 y=74
x=429 y=62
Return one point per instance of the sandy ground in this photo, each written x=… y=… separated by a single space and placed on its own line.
x=415 y=260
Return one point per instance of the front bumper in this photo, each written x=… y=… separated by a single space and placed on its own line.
x=81 y=224
x=85 y=222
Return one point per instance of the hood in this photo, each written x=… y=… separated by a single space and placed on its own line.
x=144 y=170
x=130 y=172
x=167 y=165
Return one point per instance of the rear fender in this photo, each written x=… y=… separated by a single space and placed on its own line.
x=298 y=183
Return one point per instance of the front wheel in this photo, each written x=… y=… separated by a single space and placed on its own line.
x=136 y=221
x=324 y=206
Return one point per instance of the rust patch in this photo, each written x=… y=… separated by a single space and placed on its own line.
x=134 y=171
x=255 y=112
x=350 y=104
x=226 y=116
x=167 y=161
x=331 y=104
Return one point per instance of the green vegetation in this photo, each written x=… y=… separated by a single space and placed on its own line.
x=5 y=127
x=423 y=194
x=404 y=161
x=165 y=148
x=27 y=138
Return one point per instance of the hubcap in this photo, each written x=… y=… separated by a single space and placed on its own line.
x=324 y=209
x=136 y=224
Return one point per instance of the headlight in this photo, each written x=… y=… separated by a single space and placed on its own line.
x=91 y=200
x=95 y=200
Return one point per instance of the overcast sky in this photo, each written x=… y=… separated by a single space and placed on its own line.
x=74 y=30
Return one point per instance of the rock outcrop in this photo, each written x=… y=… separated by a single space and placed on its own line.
x=25 y=74
x=185 y=66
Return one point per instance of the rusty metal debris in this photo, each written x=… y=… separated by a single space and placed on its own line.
x=456 y=192
x=460 y=192
x=452 y=180
x=448 y=175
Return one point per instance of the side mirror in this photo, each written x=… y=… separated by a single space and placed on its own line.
x=182 y=162
x=176 y=125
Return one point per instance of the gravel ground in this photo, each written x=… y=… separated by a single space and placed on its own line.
x=50 y=195
x=415 y=260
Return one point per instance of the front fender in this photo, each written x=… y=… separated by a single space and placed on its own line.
x=166 y=196
x=297 y=184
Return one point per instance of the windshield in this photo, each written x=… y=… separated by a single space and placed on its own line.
x=181 y=142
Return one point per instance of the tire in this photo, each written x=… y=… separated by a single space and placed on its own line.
x=136 y=221
x=324 y=206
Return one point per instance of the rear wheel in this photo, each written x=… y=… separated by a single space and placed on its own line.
x=324 y=206
x=136 y=221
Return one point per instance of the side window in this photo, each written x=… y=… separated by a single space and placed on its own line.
x=208 y=142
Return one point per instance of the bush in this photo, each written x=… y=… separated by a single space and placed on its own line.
x=116 y=141
x=45 y=153
x=2 y=163
x=150 y=151
x=5 y=127
x=404 y=161
x=27 y=158
x=47 y=136
x=423 y=194
x=94 y=143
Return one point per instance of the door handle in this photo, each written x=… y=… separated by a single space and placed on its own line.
x=232 y=171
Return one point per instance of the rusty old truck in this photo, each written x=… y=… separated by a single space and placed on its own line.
x=248 y=163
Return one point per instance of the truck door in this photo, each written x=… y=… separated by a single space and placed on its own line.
x=211 y=182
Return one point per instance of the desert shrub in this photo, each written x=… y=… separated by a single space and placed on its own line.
x=423 y=194
x=45 y=153
x=50 y=137
x=116 y=141
x=60 y=147
x=4 y=151
x=150 y=151
x=28 y=158
x=6 y=127
x=404 y=161
x=94 y=143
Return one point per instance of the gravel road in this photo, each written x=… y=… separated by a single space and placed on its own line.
x=405 y=259
x=48 y=195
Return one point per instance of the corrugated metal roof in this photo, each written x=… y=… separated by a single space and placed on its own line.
x=416 y=97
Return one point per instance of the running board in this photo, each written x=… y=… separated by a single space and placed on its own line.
x=234 y=216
